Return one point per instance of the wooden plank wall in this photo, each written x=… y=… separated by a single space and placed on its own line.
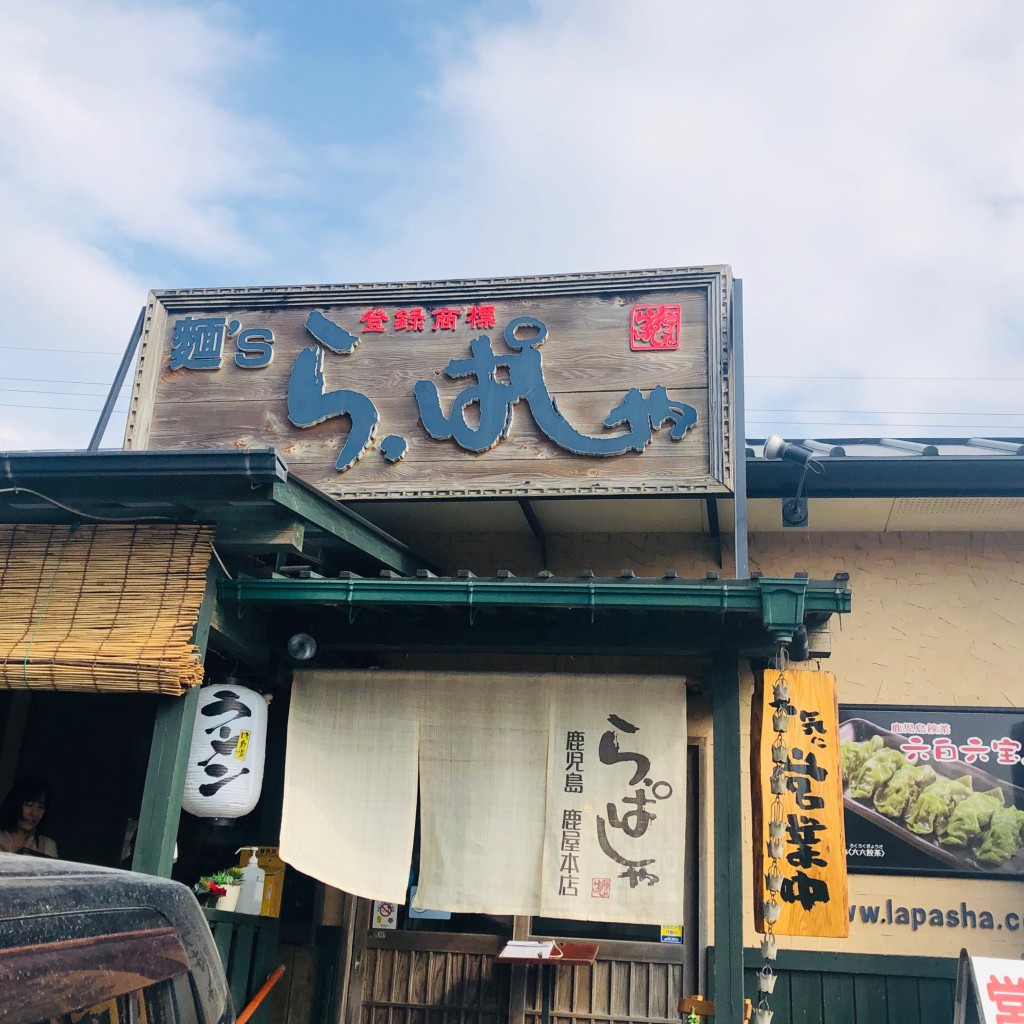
x=308 y=991
x=248 y=950
x=405 y=986
x=413 y=986
x=610 y=991
x=291 y=1000
x=821 y=988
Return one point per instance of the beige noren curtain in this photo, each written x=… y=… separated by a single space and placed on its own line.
x=559 y=796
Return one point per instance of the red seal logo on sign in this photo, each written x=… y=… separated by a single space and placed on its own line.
x=654 y=328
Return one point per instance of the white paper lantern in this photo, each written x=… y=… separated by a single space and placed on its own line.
x=229 y=745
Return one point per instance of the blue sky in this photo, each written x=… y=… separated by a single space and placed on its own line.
x=861 y=167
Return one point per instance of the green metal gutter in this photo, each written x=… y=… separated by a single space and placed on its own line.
x=782 y=604
x=256 y=466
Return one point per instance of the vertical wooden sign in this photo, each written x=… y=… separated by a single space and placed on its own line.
x=809 y=833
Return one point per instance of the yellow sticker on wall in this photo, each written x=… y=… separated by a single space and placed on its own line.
x=671 y=933
x=242 y=746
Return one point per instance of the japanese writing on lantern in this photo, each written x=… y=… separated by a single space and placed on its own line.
x=227 y=708
x=478 y=418
x=569 y=865
x=804 y=828
x=1007 y=994
x=574 y=761
x=1001 y=751
x=634 y=822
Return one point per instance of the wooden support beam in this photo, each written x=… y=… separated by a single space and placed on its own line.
x=349 y=529
x=243 y=637
x=727 y=977
x=168 y=755
x=259 y=536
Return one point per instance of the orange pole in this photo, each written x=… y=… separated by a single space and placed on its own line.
x=254 y=1003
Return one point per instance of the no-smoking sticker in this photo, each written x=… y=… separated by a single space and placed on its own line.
x=385 y=915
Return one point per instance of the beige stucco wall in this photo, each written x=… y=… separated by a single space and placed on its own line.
x=938 y=619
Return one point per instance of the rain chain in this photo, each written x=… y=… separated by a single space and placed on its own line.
x=772 y=908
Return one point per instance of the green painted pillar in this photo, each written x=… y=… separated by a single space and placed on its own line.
x=168 y=755
x=727 y=980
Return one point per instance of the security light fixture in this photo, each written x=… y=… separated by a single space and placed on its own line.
x=776 y=448
x=794 y=510
x=301 y=647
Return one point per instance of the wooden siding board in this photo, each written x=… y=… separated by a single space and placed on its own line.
x=418 y=978
x=379 y=977
x=400 y=969
x=618 y=996
x=674 y=977
x=837 y=999
x=805 y=999
x=937 y=997
x=303 y=985
x=280 y=995
x=240 y=963
x=582 y=996
x=781 y=998
x=870 y=997
x=903 y=998
x=435 y=979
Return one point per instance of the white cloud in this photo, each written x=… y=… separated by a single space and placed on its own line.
x=120 y=141
x=860 y=165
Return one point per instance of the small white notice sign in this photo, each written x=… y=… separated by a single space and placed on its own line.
x=541 y=950
x=385 y=915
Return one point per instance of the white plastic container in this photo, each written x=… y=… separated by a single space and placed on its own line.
x=250 y=897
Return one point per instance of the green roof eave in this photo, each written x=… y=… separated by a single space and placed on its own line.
x=781 y=604
x=221 y=487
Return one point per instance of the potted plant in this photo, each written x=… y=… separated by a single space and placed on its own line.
x=219 y=890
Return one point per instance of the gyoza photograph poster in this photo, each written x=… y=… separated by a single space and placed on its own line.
x=933 y=790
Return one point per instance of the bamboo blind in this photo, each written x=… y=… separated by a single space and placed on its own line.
x=107 y=608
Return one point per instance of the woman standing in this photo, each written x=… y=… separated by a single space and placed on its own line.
x=21 y=815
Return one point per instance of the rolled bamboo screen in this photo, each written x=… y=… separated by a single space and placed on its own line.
x=107 y=608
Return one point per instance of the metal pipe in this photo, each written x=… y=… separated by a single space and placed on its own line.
x=739 y=440
x=115 y=388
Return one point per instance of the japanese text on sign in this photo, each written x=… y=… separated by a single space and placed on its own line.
x=811 y=846
x=1003 y=750
x=632 y=823
x=480 y=416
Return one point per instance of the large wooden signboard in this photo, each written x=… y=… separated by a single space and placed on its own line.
x=801 y=789
x=600 y=384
